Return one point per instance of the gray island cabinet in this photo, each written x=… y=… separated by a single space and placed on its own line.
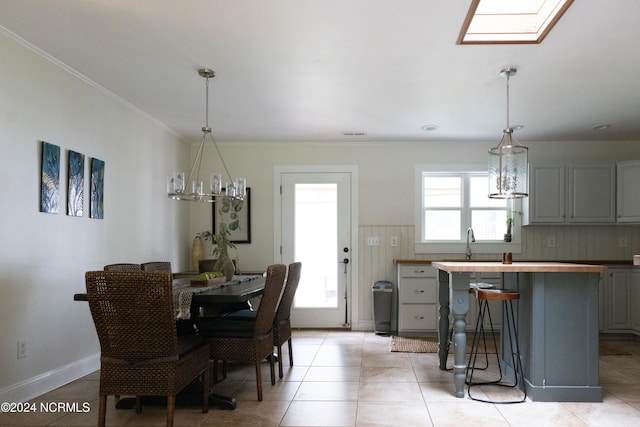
x=557 y=316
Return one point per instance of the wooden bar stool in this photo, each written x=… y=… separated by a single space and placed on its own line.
x=509 y=333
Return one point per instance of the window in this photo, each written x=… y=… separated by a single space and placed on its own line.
x=450 y=202
x=506 y=21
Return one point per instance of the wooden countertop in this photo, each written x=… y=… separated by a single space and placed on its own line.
x=544 y=267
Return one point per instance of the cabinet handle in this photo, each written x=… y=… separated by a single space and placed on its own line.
x=419 y=291
x=418 y=271
x=418 y=317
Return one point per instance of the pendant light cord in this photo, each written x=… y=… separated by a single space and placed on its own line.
x=206 y=129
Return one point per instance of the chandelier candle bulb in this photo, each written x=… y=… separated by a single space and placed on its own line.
x=216 y=183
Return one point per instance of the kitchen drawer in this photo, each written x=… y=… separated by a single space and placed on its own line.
x=417 y=290
x=417 y=317
x=417 y=271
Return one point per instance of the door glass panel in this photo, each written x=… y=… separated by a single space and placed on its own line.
x=316 y=239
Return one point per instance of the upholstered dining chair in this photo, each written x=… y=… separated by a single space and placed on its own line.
x=156 y=266
x=122 y=267
x=243 y=341
x=141 y=354
x=282 y=320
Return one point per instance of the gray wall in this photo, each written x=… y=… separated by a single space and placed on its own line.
x=43 y=257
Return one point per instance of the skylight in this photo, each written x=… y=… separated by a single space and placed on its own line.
x=510 y=21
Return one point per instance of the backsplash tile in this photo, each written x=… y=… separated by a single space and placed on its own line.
x=581 y=243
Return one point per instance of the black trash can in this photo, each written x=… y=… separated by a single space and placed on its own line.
x=382 y=297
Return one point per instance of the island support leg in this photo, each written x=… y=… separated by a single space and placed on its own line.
x=443 y=318
x=459 y=301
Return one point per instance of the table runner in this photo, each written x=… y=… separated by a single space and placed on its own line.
x=183 y=294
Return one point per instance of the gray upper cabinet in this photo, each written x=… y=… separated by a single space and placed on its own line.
x=545 y=204
x=592 y=193
x=628 y=196
x=571 y=194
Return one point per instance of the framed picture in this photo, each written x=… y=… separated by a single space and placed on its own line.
x=242 y=233
x=97 y=189
x=50 y=178
x=75 y=191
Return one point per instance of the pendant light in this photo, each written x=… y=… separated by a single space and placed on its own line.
x=193 y=187
x=508 y=164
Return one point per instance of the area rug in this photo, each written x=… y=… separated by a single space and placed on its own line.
x=425 y=345
x=430 y=345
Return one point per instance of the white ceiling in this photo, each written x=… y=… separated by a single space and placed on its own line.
x=309 y=70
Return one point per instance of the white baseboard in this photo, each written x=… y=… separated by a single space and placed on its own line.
x=47 y=381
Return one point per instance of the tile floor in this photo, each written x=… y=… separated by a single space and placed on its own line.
x=351 y=379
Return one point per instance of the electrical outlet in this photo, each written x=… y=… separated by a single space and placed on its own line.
x=551 y=242
x=373 y=241
x=394 y=241
x=622 y=242
x=22 y=349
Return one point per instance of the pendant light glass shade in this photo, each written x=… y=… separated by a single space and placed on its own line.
x=508 y=164
x=508 y=161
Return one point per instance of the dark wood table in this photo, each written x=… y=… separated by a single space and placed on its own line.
x=236 y=290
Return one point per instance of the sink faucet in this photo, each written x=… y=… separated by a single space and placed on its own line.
x=473 y=239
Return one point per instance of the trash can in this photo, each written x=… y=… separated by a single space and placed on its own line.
x=382 y=296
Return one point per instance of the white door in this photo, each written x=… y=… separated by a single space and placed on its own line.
x=315 y=222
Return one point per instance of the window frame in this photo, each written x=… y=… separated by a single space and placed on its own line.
x=459 y=247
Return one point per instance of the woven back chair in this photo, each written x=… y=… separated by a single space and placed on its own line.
x=140 y=351
x=122 y=267
x=156 y=266
x=282 y=321
x=243 y=341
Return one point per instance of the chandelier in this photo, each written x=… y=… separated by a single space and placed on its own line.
x=508 y=162
x=193 y=187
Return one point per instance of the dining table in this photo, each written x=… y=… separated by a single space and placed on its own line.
x=240 y=288
x=188 y=299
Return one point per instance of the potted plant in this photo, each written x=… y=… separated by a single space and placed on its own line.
x=220 y=242
x=510 y=220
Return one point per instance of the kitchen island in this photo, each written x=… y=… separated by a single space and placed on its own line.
x=557 y=320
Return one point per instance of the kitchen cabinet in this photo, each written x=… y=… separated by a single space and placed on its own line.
x=417 y=299
x=571 y=194
x=635 y=300
x=627 y=194
x=618 y=299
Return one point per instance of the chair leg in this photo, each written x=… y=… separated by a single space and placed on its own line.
x=259 y=380
x=290 y=352
x=205 y=390
x=102 y=410
x=224 y=369
x=215 y=371
x=138 y=405
x=171 y=404
x=273 y=370
x=280 y=371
